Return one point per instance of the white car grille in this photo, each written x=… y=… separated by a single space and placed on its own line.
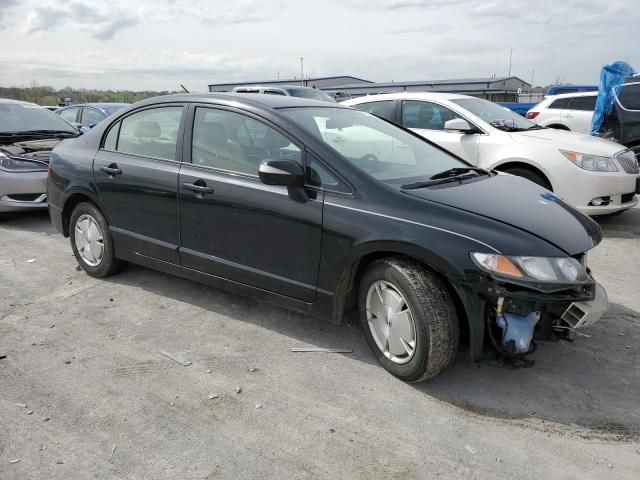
x=627 y=159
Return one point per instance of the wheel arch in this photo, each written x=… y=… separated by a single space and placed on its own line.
x=70 y=204
x=558 y=126
x=508 y=163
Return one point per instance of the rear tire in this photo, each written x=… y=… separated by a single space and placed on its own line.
x=530 y=175
x=427 y=319
x=91 y=241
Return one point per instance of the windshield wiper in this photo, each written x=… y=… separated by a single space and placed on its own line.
x=457 y=174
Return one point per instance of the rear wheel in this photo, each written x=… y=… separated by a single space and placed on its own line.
x=91 y=242
x=408 y=318
x=531 y=175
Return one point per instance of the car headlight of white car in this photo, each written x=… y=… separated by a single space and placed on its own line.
x=594 y=163
x=538 y=269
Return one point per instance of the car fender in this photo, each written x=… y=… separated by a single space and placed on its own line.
x=497 y=164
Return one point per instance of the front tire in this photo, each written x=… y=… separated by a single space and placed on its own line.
x=530 y=175
x=91 y=241
x=408 y=318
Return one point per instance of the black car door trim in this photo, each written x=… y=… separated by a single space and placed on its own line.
x=412 y=223
x=138 y=236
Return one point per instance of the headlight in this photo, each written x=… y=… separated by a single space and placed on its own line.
x=591 y=162
x=540 y=269
x=16 y=165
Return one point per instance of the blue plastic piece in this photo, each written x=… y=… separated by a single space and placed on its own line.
x=611 y=78
x=517 y=328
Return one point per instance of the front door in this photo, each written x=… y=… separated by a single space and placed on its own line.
x=231 y=224
x=427 y=119
x=136 y=173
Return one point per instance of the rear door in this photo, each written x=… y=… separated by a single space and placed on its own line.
x=234 y=226
x=580 y=113
x=428 y=119
x=136 y=173
x=91 y=117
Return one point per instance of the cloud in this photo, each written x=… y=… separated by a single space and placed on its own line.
x=4 y=6
x=98 y=23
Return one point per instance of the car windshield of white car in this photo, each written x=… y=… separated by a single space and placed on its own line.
x=497 y=116
x=16 y=118
x=379 y=148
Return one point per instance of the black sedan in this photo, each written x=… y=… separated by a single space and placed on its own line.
x=325 y=209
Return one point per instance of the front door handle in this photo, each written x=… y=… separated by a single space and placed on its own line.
x=194 y=187
x=112 y=170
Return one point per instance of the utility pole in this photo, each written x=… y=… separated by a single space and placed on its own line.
x=510 y=56
x=302 y=71
x=533 y=71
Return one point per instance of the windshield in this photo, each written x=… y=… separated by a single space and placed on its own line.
x=384 y=151
x=494 y=114
x=17 y=118
x=310 y=93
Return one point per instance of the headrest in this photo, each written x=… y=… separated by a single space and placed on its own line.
x=215 y=133
x=147 y=129
x=274 y=140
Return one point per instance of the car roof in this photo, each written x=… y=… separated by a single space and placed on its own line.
x=574 y=94
x=412 y=96
x=247 y=99
x=97 y=105
x=17 y=102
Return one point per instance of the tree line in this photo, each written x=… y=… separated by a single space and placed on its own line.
x=46 y=95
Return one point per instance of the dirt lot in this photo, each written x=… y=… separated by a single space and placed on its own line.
x=103 y=402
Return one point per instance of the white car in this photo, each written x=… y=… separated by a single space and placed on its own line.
x=596 y=176
x=570 y=111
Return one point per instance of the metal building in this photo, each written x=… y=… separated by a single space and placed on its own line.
x=317 y=82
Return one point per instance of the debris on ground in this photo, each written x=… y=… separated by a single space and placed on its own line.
x=213 y=396
x=251 y=369
x=78 y=268
x=67 y=362
x=258 y=406
x=43 y=447
x=14 y=461
x=2 y=357
x=470 y=449
x=30 y=412
x=113 y=450
x=176 y=358
x=323 y=350
x=21 y=405
x=31 y=260
x=46 y=419
x=238 y=389
x=208 y=371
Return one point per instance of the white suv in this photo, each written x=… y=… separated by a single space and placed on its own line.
x=596 y=176
x=570 y=111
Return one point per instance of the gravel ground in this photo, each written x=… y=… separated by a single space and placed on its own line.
x=84 y=356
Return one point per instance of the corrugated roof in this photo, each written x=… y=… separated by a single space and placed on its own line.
x=290 y=80
x=427 y=83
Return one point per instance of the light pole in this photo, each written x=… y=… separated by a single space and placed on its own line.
x=302 y=71
x=510 y=56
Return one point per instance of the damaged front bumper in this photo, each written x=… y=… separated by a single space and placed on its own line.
x=511 y=313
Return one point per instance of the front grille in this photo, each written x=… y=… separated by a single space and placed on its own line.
x=627 y=197
x=627 y=159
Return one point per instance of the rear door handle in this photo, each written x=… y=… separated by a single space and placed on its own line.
x=201 y=189
x=112 y=170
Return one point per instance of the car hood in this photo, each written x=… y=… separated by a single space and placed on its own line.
x=521 y=204
x=561 y=139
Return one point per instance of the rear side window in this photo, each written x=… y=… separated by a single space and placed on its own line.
x=69 y=114
x=559 y=104
x=91 y=116
x=151 y=133
x=382 y=109
x=630 y=97
x=583 y=103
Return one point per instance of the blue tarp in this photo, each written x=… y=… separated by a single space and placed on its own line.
x=611 y=77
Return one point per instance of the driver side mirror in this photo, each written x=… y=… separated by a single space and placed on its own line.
x=287 y=173
x=458 y=125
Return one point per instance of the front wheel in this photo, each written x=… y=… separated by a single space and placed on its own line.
x=408 y=318
x=530 y=175
x=91 y=242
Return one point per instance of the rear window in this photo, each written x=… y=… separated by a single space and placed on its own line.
x=630 y=97
x=560 y=103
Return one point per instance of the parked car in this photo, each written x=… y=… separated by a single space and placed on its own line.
x=596 y=176
x=28 y=133
x=323 y=209
x=88 y=115
x=338 y=95
x=570 y=111
x=519 y=108
x=287 y=90
x=561 y=89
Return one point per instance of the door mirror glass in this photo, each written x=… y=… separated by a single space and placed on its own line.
x=287 y=173
x=458 y=125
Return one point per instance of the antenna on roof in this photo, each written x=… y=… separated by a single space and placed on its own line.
x=184 y=88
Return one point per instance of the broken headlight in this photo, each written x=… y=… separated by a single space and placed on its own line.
x=11 y=164
x=539 y=269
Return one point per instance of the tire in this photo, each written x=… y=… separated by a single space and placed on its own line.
x=531 y=175
x=107 y=263
x=431 y=310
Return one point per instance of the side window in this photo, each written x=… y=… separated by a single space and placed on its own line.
x=583 y=103
x=111 y=140
x=91 y=116
x=425 y=115
x=150 y=133
x=69 y=114
x=630 y=96
x=561 y=103
x=273 y=92
x=237 y=143
x=382 y=109
x=319 y=176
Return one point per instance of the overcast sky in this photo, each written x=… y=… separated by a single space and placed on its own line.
x=159 y=44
